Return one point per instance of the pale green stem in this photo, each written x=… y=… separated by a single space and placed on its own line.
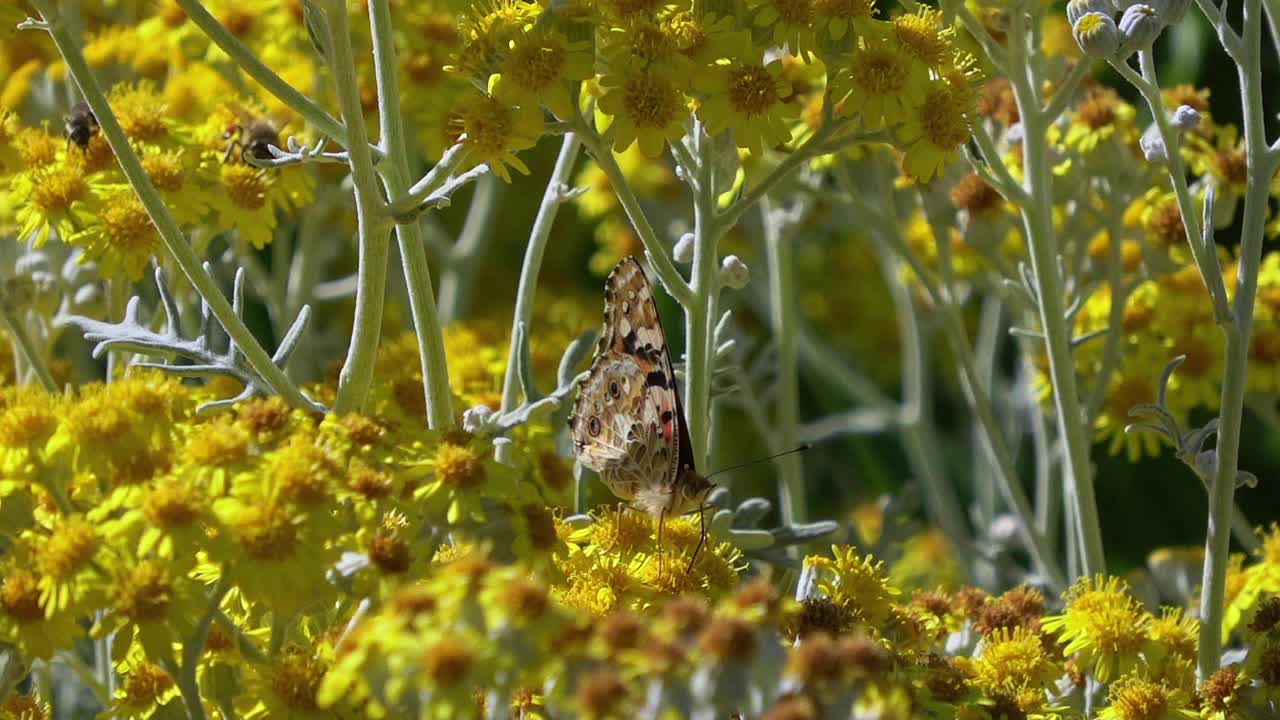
x=26 y=348
x=1262 y=165
x=971 y=383
x=552 y=198
x=1147 y=85
x=1037 y=214
x=170 y=234
x=700 y=310
x=657 y=251
x=118 y=290
x=86 y=675
x=374 y=230
x=457 y=277
x=274 y=84
x=413 y=253
x=783 y=316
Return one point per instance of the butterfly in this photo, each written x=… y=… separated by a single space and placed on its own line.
x=628 y=424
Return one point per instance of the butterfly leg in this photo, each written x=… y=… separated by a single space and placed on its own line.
x=702 y=536
x=662 y=517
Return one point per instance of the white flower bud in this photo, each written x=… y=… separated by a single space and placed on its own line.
x=1186 y=118
x=1097 y=35
x=683 y=251
x=734 y=273
x=1153 y=149
x=1077 y=9
x=1139 y=27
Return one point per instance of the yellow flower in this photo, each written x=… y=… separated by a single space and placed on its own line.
x=882 y=82
x=121 y=238
x=645 y=107
x=838 y=17
x=543 y=66
x=495 y=131
x=790 y=22
x=856 y=582
x=1099 y=117
x=1103 y=625
x=55 y=197
x=27 y=620
x=1011 y=661
x=935 y=130
x=747 y=97
x=1136 y=698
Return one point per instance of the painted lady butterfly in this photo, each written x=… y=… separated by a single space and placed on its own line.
x=628 y=424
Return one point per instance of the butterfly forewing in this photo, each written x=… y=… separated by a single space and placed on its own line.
x=628 y=424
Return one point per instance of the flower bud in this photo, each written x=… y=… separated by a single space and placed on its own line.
x=1153 y=149
x=1171 y=12
x=683 y=251
x=1097 y=35
x=734 y=273
x=1077 y=9
x=1139 y=27
x=1186 y=118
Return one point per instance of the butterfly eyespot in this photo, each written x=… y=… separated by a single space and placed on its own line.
x=593 y=426
x=613 y=389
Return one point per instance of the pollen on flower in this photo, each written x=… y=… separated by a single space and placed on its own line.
x=295 y=679
x=266 y=531
x=36 y=148
x=945 y=123
x=67 y=549
x=368 y=482
x=535 y=66
x=1099 y=110
x=651 y=100
x=447 y=661
x=304 y=473
x=794 y=12
x=525 y=598
x=459 y=467
x=880 y=71
x=923 y=35
x=165 y=171
x=141 y=111
x=845 y=8
x=1134 y=698
x=541 y=525
x=20 y=596
x=56 y=189
x=390 y=553
x=218 y=444
x=143 y=593
x=30 y=417
x=752 y=90
x=600 y=692
x=265 y=415
x=143 y=685
x=246 y=185
x=172 y=504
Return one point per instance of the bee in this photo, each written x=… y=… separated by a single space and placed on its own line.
x=80 y=126
x=252 y=136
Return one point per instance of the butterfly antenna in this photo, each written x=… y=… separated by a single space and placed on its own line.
x=801 y=448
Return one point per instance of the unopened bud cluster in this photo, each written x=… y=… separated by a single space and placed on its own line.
x=1099 y=34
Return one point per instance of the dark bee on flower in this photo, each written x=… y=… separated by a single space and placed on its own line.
x=252 y=136
x=80 y=126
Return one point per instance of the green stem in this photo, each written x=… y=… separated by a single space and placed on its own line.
x=552 y=198
x=1037 y=214
x=699 y=311
x=170 y=234
x=22 y=341
x=413 y=253
x=657 y=251
x=1261 y=165
x=1147 y=85
x=274 y=84
x=374 y=230
x=783 y=316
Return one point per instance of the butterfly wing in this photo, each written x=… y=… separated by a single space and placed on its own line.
x=640 y=445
